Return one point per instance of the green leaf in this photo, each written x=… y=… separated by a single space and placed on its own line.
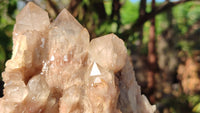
x=196 y=108
x=195 y=99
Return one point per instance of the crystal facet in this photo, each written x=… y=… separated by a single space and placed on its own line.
x=56 y=69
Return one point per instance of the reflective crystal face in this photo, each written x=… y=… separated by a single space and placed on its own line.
x=56 y=69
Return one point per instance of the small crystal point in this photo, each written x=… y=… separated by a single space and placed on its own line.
x=68 y=24
x=32 y=17
x=95 y=70
x=66 y=17
x=109 y=52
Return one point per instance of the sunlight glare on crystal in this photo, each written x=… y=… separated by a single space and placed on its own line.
x=43 y=41
x=45 y=68
x=16 y=34
x=65 y=58
x=52 y=58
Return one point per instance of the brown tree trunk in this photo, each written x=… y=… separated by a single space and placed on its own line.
x=142 y=13
x=99 y=8
x=73 y=7
x=152 y=57
x=115 y=8
x=169 y=16
x=116 y=5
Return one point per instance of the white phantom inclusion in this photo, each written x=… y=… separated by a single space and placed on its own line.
x=95 y=70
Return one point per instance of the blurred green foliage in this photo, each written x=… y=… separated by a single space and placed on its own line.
x=8 y=9
x=129 y=12
x=195 y=101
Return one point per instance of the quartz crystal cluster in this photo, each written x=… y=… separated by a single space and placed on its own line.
x=55 y=68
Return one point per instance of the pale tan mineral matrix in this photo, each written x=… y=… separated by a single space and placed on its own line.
x=56 y=69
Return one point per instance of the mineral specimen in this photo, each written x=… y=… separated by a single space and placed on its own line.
x=56 y=69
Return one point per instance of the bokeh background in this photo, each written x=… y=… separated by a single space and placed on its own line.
x=162 y=37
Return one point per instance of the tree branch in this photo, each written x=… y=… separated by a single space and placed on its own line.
x=165 y=6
